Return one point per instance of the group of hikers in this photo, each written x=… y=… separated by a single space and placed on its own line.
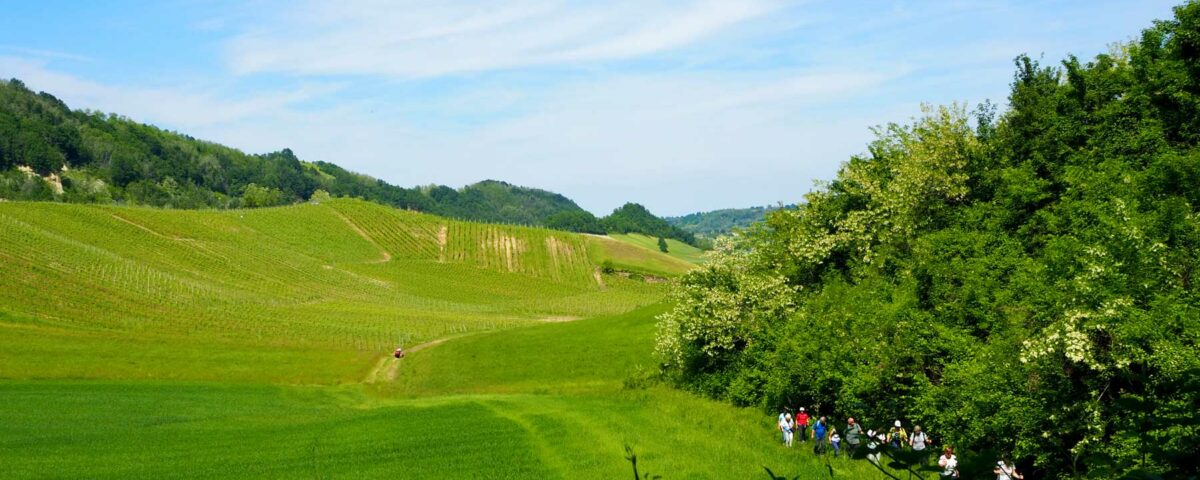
x=824 y=435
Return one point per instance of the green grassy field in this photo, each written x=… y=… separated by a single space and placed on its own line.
x=544 y=401
x=675 y=248
x=141 y=343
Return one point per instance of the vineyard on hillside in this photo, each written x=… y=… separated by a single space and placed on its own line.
x=323 y=286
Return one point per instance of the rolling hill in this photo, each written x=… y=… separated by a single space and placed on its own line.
x=254 y=343
x=49 y=152
x=251 y=294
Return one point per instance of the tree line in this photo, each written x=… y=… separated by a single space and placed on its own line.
x=49 y=152
x=1023 y=283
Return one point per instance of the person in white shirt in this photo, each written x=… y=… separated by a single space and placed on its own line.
x=788 y=426
x=1006 y=472
x=949 y=464
x=919 y=441
x=782 y=430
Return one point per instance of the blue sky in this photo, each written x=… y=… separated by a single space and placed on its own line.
x=682 y=106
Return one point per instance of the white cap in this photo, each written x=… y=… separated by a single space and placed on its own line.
x=897 y=423
x=801 y=409
x=1000 y=463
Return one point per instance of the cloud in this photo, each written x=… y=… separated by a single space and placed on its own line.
x=600 y=140
x=441 y=38
x=179 y=107
x=46 y=54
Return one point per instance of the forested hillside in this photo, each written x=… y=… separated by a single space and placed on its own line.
x=634 y=218
x=93 y=157
x=719 y=222
x=1022 y=284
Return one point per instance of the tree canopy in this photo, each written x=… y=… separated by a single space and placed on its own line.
x=1021 y=284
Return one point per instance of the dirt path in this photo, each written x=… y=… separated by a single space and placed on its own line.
x=384 y=255
x=387 y=368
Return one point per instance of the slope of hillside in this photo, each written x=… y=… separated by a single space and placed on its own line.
x=299 y=294
x=629 y=257
x=675 y=248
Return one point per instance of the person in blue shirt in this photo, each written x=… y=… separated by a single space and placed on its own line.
x=819 y=436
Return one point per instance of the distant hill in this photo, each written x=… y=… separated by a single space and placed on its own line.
x=82 y=156
x=719 y=222
x=634 y=218
x=501 y=202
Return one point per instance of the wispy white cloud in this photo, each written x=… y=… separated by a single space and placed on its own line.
x=408 y=40
x=682 y=106
x=177 y=107
x=44 y=54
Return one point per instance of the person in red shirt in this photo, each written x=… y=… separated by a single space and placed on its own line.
x=802 y=424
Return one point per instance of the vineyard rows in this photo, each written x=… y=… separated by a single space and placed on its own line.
x=300 y=277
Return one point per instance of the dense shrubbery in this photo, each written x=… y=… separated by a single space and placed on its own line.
x=1024 y=285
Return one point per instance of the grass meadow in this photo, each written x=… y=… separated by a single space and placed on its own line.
x=142 y=343
x=544 y=401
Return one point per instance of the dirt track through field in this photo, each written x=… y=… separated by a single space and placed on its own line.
x=387 y=368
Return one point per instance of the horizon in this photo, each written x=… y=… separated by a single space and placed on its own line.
x=758 y=99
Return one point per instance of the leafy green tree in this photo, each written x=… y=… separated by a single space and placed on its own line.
x=255 y=196
x=1024 y=285
x=575 y=221
x=662 y=244
x=634 y=218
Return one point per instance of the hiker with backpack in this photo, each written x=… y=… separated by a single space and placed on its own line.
x=820 y=431
x=897 y=436
x=836 y=441
x=1006 y=472
x=919 y=441
x=854 y=433
x=801 y=429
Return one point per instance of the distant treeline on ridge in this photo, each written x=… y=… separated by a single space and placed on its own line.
x=49 y=152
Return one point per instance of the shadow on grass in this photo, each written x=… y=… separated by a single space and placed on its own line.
x=632 y=458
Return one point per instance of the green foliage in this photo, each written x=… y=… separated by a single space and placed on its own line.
x=662 y=245
x=634 y=218
x=500 y=202
x=255 y=196
x=581 y=221
x=1024 y=285
x=719 y=222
